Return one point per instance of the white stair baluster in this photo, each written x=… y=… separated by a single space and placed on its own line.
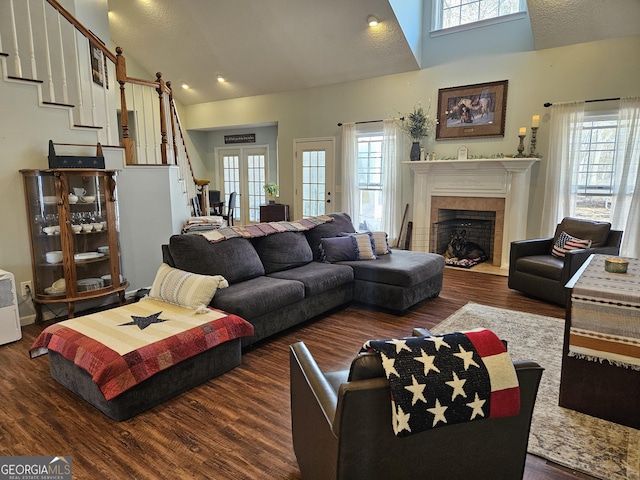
x=16 y=58
x=65 y=92
x=32 y=51
x=79 y=80
x=52 y=93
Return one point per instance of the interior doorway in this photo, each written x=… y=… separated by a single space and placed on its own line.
x=244 y=170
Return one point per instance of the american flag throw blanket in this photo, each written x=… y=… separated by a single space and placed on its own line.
x=446 y=379
x=124 y=346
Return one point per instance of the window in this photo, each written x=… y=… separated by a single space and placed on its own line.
x=594 y=187
x=370 y=181
x=453 y=13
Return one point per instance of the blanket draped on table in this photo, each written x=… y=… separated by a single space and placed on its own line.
x=605 y=315
x=263 y=229
x=445 y=379
x=119 y=353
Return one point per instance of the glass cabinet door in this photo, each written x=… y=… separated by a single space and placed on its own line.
x=89 y=229
x=44 y=219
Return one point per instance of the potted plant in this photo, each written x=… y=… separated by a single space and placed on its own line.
x=271 y=189
x=417 y=125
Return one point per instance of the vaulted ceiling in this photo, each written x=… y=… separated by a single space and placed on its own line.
x=269 y=46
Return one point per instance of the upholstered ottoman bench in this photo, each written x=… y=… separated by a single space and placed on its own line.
x=129 y=359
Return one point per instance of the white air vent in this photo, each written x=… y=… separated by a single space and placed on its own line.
x=9 y=317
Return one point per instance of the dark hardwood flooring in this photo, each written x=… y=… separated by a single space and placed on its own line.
x=236 y=426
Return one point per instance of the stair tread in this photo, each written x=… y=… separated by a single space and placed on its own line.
x=59 y=104
x=24 y=79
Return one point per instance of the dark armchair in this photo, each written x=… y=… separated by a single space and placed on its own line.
x=341 y=425
x=534 y=271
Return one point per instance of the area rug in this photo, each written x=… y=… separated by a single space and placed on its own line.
x=587 y=444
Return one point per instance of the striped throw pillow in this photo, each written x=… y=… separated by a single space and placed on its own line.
x=188 y=290
x=381 y=241
x=566 y=242
x=364 y=245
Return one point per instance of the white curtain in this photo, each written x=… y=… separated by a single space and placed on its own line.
x=562 y=166
x=350 y=197
x=391 y=152
x=626 y=189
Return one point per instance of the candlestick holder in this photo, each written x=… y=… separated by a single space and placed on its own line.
x=534 y=132
x=520 y=147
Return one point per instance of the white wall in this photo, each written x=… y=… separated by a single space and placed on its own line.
x=602 y=69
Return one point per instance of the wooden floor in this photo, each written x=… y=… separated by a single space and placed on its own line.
x=233 y=427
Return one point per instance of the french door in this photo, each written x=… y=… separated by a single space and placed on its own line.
x=243 y=170
x=314 y=176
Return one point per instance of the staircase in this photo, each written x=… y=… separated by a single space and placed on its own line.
x=61 y=83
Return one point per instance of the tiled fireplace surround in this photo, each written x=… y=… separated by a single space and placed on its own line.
x=485 y=185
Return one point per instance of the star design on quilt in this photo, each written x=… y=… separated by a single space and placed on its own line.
x=389 y=365
x=417 y=389
x=400 y=344
x=476 y=405
x=402 y=421
x=438 y=413
x=467 y=357
x=457 y=384
x=144 y=322
x=427 y=361
x=438 y=342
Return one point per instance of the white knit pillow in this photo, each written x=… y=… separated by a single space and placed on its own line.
x=188 y=290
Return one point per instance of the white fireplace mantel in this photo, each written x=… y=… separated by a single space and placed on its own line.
x=506 y=178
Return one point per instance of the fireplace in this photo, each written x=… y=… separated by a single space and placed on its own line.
x=476 y=226
x=478 y=188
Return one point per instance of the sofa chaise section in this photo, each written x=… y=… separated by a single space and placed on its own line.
x=397 y=280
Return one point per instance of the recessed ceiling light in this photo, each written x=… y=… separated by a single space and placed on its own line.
x=185 y=86
x=373 y=21
x=220 y=78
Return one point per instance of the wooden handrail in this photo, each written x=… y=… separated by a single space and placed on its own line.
x=82 y=29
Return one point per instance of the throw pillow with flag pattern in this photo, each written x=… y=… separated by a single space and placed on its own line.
x=566 y=242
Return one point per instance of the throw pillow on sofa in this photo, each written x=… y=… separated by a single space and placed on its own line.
x=188 y=290
x=341 y=223
x=337 y=249
x=381 y=242
x=566 y=242
x=365 y=248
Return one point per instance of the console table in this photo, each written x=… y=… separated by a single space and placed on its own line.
x=274 y=212
x=601 y=353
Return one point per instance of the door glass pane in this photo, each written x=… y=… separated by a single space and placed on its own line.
x=231 y=179
x=313 y=179
x=256 y=181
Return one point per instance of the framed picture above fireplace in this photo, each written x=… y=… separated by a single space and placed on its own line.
x=472 y=111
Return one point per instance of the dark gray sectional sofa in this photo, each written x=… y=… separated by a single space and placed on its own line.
x=279 y=280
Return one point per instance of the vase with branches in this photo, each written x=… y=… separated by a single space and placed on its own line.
x=417 y=125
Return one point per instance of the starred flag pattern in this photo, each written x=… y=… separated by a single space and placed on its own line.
x=446 y=379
